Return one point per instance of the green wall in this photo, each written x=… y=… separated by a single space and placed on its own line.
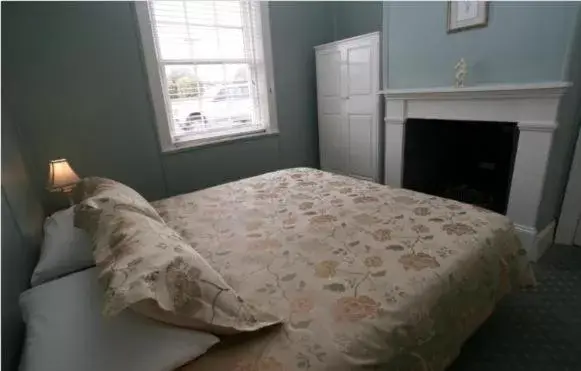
x=75 y=75
x=523 y=42
x=16 y=271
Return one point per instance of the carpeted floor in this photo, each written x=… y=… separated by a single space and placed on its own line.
x=534 y=330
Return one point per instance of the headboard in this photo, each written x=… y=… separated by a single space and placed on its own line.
x=22 y=217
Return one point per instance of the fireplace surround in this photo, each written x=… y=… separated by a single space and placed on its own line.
x=533 y=107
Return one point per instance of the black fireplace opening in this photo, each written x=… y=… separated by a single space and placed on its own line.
x=468 y=161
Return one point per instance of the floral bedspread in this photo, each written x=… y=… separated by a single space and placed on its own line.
x=364 y=276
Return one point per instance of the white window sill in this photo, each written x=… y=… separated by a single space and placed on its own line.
x=185 y=144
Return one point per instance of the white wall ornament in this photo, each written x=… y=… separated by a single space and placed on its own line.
x=532 y=106
x=461 y=71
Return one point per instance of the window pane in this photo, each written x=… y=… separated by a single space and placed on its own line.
x=183 y=81
x=209 y=98
x=201 y=12
x=173 y=41
x=168 y=11
x=231 y=43
x=228 y=13
x=204 y=42
x=198 y=29
x=211 y=73
x=219 y=86
x=237 y=72
x=215 y=13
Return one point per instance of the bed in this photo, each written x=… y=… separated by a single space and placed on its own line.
x=364 y=276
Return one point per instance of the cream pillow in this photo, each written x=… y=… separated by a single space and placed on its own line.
x=104 y=190
x=147 y=266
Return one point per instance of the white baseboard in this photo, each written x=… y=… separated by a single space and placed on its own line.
x=527 y=239
x=534 y=242
x=545 y=238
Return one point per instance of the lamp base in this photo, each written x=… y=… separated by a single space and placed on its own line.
x=69 y=194
x=67 y=191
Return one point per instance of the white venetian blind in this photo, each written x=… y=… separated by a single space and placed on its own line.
x=211 y=61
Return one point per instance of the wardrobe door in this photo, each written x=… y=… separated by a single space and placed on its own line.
x=361 y=85
x=332 y=124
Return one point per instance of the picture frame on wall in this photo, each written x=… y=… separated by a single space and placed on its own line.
x=467 y=14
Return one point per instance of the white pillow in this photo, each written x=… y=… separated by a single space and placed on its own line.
x=67 y=332
x=65 y=248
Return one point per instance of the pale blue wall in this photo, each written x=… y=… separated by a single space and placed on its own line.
x=296 y=28
x=523 y=42
x=75 y=74
x=352 y=18
x=565 y=137
x=202 y=168
x=80 y=88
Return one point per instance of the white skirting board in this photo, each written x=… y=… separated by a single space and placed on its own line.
x=534 y=242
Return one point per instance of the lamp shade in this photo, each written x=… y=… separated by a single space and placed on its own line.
x=60 y=175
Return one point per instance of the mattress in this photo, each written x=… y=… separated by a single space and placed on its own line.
x=364 y=276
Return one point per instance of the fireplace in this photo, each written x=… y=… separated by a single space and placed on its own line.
x=468 y=161
x=488 y=145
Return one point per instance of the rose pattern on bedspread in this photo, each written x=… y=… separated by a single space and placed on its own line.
x=364 y=275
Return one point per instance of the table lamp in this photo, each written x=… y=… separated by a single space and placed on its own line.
x=62 y=178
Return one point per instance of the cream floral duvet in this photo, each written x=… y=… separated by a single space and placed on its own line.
x=364 y=276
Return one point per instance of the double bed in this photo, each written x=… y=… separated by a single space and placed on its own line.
x=297 y=269
x=363 y=276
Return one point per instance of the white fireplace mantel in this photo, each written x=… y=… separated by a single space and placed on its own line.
x=533 y=107
x=481 y=91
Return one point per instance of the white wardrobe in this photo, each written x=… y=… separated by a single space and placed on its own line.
x=349 y=106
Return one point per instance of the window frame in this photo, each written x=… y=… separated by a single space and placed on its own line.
x=161 y=102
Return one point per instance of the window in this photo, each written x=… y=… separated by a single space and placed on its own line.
x=209 y=69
